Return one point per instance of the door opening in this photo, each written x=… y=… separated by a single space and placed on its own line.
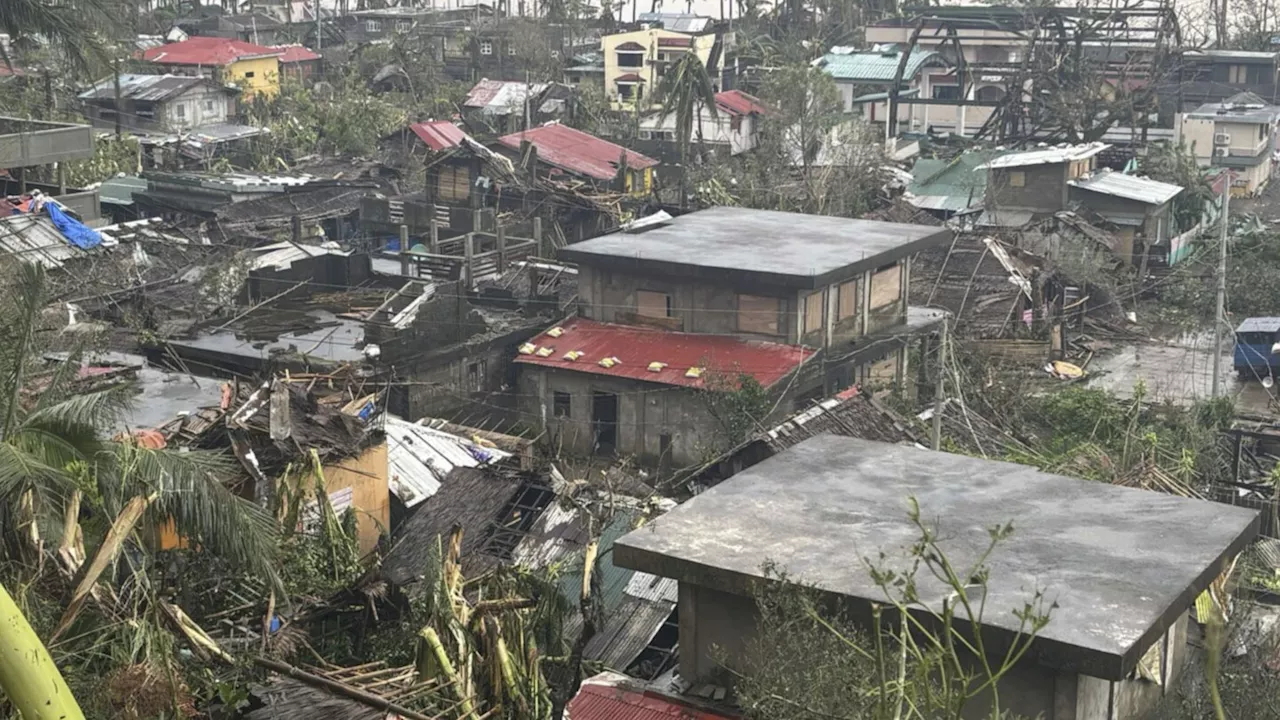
x=604 y=420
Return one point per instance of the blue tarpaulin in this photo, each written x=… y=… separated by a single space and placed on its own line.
x=76 y=232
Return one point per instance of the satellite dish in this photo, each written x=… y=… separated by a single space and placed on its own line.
x=1268 y=381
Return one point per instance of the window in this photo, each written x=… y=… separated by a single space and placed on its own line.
x=631 y=59
x=662 y=57
x=250 y=74
x=562 y=404
x=847 y=305
x=758 y=314
x=403 y=25
x=653 y=304
x=1237 y=74
x=813 y=311
x=511 y=48
x=1017 y=178
x=626 y=91
x=208 y=105
x=475 y=376
x=886 y=286
x=486 y=47
x=180 y=111
x=946 y=92
x=373 y=26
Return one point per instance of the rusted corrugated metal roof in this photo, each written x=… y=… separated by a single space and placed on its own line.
x=609 y=696
x=439 y=134
x=576 y=151
x=736 y=102
x=295 y=53
x=636 y=347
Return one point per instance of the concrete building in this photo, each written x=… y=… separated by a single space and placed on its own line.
x=864 y=79
x=734 y=129
x=1239 y=134
x=634 y=62
x=159 y=103
x=1122 y=566
x=254 y=69
x=801 y=303
x=33 y=143
x=1213 y=76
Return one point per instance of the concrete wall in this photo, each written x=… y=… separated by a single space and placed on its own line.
x=701 y=45
x=722 y=129
x=199 y=106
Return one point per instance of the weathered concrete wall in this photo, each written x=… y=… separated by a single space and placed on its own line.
x=714 y=625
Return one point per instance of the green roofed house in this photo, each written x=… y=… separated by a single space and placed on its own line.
x=864 y=78
x=946 y=187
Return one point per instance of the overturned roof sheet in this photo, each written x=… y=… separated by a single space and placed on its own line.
x=1046 y=156
x=35 y=239
x=629 y=351
x=419 y=458
x=1129 y=187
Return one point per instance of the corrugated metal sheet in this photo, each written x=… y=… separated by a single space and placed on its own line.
x=34 y=239
x=419 y=458
x=651 y=587
x=295 y=53
x=875 y=66
x=205 y=50
x=636 y=347
x=677 y=22
x=627 y=630
x=951 y=185
x=502 y=97
x=1046 y=156
x=614 y=700
x=736 y=102
x=1130 y=187
x=284 y=254
x=576 y=151
x=557 y=535
x=439 y=134
x=1005 y=218
x=145 y=88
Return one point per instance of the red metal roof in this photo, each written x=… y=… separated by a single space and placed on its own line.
x=438 y=134
x=629 y=77
x=603 y=702
x=295 y=53
x=576 y=151
x=203 y=50
x=736 y=102
x=635 y=347
x=675 y=42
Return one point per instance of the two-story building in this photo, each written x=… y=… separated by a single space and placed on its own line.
x=800 y=303
x=561 y=150
x=634 y=62
x=1239 y=134
x=255 y=69
x=1023 y=187
x=1116 y=570
x=1213 y=76
x=864 y=79
x=734 y=128
x=159 y=103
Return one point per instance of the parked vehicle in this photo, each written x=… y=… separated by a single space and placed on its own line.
x=1255 y=357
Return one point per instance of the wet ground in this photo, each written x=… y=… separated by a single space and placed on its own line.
x=1179 y=371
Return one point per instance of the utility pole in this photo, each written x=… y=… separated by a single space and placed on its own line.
x=115 y=68
x=319 y=30
x=1220 y=309
x=937 y=386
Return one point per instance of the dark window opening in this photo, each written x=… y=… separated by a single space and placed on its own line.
x=660 y=654
x=604 y=421
x=475 y=376
x=946 y=92
x=517 y=519
x=626 y=90
x=249 y=74
x=630 y=59
x=562 y=403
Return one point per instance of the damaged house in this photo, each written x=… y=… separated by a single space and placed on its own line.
x=680 y=308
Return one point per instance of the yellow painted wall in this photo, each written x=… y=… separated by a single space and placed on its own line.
x=366 y=475
x=648 y=71
x=644 y=186
x=265 y=80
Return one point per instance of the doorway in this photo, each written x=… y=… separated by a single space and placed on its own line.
x=604 y=421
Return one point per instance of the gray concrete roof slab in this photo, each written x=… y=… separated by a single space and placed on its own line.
x=1122 y=564
x=792 y=249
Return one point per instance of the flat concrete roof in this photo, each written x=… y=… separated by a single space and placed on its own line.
x=1122 y=564
x=780 y=248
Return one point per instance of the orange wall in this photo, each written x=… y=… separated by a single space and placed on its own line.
x=366 y=475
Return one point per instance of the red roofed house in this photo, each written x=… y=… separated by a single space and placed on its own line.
x=255 y=69
x=735 y=128
x=562 y=150
x=677 y=312
x=298 y=62
x=611 y=696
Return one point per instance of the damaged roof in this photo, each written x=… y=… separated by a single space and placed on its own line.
x=1045 y=156
x=149 y=88
x=632 y=349
x=610 y=696
x=1129 y=187
x=502 y=97
x=577 y=152
x=736 y=102
x=420 y=458
x=439 y=134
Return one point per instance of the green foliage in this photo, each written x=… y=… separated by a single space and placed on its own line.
x=1175 y=164
x=112 y=156
x=739 y=403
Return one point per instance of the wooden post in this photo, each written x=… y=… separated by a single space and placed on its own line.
x=406 y=261
x=537 y=236
x=500 y=233
x=295 y=228
x=477 y=220
x=62 y=178
x=433 y=239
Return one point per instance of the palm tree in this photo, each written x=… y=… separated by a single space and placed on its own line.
x=54 y=458
x=685 y=89
x=72 y=28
